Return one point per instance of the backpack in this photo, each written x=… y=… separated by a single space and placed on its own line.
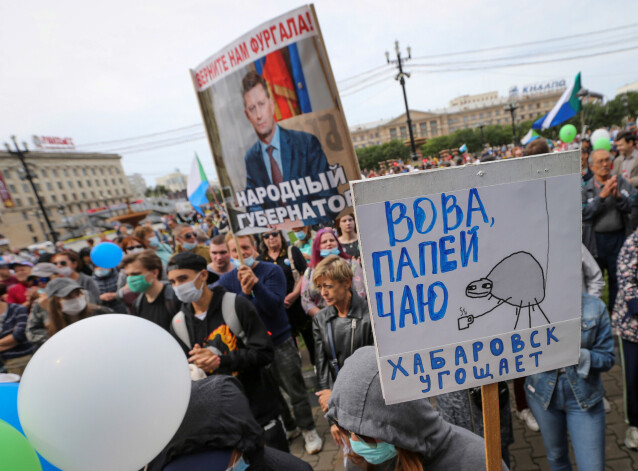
x=230 y=319
x=169 y=300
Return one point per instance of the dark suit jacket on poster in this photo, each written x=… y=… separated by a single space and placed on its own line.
x=301 y=156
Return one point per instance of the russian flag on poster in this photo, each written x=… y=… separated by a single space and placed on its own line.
x=197 y=185
x=567 y=106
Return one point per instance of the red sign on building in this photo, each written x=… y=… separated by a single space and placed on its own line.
x=4 y=194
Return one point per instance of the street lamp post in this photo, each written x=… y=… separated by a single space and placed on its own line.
x=401 y=78
x=481 y=126
x=19 y=153
x=512 y=107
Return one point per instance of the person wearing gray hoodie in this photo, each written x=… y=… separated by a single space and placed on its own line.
x=389 y=436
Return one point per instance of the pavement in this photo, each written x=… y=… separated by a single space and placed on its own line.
x=527 y=452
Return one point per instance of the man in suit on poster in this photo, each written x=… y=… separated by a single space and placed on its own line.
x=280 y=154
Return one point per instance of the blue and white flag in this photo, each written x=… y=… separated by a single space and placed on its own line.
x=463 y=148
x=529 y=137
x=197 y=185
x=566 y=107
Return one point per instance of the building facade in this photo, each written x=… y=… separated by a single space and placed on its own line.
x=464 y=112
x=70 y=185
x=137 y=184
x=173 y=182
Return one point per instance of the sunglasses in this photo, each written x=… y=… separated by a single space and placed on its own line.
x=61 y=263
x=133 y=247
x=269 y=235
x=190 y=235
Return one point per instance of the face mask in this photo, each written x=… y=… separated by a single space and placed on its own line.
x=154 y=241
x=101 y=272
x=66 y=271
x=135 y=250
x=189 y=245
x=73 y=307
x=240 y=465
x=300 y=235
x=249 y=261
x=325 y=253
x=188 y=292
x=382 y=453
x=138 y=283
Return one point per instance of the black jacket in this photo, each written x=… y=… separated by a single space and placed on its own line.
x=345 y=339
x=247 y=361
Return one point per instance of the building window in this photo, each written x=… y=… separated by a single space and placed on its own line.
x=480 y=115
x=64 y=197
x=65 y=172
x=25 y=187
x=30 y=227
x=92 y=194
x=69 y=183
x=79 y=184
x=49 y=186
x=122 y=181
x=538 y=105
x=12 y=188
x=498 y=121
x=25 y=216
x=101 y=170
x=404 y=132
x=489 y=114
x=54 y=172
x=97 y=182
x=105 y=182
x=92 y=171
x=17 y=201
x=60 y=186
x=84 y=172
x=75 y=171
x=117 y=192
x=393 y=133
x=433 y=128
x=465 y=119
x=75 y=197
x=113 y=181
x=83 y=195
x=7 y=174
x=424 y=131
x=30 y=200
x=54 y=198
x=473 y=117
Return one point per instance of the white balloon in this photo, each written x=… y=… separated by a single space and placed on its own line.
x=598 y=134
x=104 y=394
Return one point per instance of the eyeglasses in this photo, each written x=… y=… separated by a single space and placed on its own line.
x=43 y=280
x=61 y=263
x=190 y=235
x=133 y=247
x=269 y=235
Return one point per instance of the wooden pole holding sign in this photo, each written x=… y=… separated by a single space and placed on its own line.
x=491 y=427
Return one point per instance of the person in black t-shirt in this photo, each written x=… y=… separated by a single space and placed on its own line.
x=157 y=301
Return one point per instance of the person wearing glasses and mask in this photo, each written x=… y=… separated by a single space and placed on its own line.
x=186 y=241
x=409 y=436
x=64 y=302
x=69 y=264
x=212 y=346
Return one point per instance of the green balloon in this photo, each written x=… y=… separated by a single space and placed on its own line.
x=567 y=133
x=602 y=143
x=16 y=453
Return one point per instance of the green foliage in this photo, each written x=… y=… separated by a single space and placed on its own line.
x=369 y=157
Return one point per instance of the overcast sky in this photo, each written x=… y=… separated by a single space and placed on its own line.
x=103 y=71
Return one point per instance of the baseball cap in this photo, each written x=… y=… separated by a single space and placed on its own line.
x=61 y=287
x=187 y=261
x=24 y=263
x=44 y=270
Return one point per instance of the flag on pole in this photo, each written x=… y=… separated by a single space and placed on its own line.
x=529 y=137
x=566 y=107
x=463 y=148
x=197 y=185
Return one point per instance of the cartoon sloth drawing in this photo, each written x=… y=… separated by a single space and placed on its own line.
x=517 y=280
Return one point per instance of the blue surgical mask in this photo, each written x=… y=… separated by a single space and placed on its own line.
x=300 y=235
x=154 y=241
x=189 y=245
x=380 y=454
x=324 y=253
x=248 y=261
x=101 y=272
x=240 y=465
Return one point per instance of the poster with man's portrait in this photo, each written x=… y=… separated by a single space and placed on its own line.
x=278 y=136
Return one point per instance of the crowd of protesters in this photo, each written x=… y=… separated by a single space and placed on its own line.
x=243 y=307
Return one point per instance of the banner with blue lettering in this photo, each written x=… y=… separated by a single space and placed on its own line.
x=473 y=273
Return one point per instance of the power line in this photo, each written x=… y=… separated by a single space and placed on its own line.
x=92 y=144
x=530 y=43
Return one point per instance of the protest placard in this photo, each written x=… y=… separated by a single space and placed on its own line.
x=473 y=273
x=279 y=139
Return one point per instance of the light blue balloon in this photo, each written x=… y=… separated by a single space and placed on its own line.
x=9 y=413
x=106 y=255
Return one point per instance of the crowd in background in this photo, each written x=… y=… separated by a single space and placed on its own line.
x=249 y=304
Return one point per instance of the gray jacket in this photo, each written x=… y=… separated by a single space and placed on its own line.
x=349 y=334
x=593 y=205
x=357 y=405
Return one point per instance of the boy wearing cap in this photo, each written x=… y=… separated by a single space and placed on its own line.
x=214 y=347
x=15 y=349
x=21 y=293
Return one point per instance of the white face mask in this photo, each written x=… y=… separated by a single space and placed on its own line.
x=66 y=271
x=188 y=292
x=74 y=306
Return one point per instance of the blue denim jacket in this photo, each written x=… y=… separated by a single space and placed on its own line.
x=596 y=356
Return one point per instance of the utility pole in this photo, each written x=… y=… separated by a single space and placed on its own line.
x=481 y=126
x=19 y=153
x=401 y=78
x=512 y=107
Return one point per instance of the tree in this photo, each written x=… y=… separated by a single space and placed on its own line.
x=369 y=157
